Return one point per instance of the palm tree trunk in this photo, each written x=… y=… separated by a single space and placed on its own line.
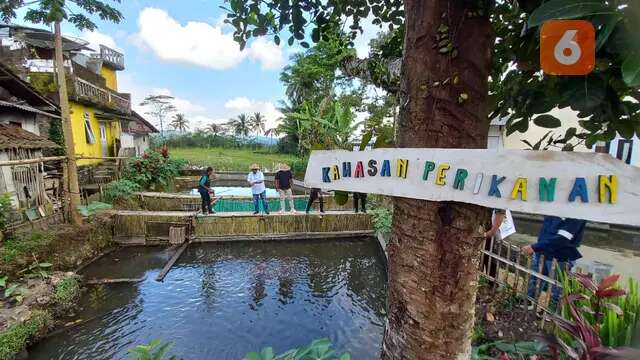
x=434 y=252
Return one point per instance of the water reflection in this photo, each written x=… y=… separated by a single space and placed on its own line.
x=223 y=300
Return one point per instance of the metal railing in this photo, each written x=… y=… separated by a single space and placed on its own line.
x=88 y=90
x=505 y=265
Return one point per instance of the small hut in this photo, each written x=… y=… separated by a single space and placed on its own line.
x=24 y=182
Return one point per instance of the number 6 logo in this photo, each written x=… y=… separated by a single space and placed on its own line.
x=567 y=47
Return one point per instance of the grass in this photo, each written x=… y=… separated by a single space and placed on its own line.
x=23 y=245
x=17 y=337
x=232 y=159
x=67 y=293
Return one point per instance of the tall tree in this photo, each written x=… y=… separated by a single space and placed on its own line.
x=258 y=123
x=443 y=96
x=180 y=123
x=434 y=249
x=159 y=107
x=240 y=126
x=48 y=12
x=214 y=129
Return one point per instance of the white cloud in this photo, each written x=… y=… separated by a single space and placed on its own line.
x=96 y=38
x=250 y=106
x=200 y=43
x=199 y=116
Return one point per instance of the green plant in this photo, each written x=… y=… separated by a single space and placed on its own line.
x=318 y=350
x=90 y=210
x=155 y=350
x=341 y=197
x=509 y=350
x=18 y=336
x=37 y=269
x=612 y=311
x=153 y=171
x=6 y=208
x=10 y=290
x=585 y=304
x=66 y=293
x=24 y=245
x=382 y=219
x=119 y=190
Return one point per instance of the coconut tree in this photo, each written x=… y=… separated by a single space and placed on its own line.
x=214 y=129
x=240 y=126
x=258 y=123
x=180 y=123
x=272 y=132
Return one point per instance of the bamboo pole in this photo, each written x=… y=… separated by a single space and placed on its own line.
x=171 y=261
x=72 y=174
x=32 y=161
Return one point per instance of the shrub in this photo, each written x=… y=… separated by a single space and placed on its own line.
x=120 y=190
x=5 y=211
x=382 y=220
x=153 y=171
x=17 y=337
x=67 y=293
x=24 y=244
x=155 y=350
x=318 y=349
x=299 y=167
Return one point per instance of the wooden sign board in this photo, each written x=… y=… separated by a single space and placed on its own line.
x=588 y=186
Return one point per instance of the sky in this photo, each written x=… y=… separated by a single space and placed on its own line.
x=189 y=53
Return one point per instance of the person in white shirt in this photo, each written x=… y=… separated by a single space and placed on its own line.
x=259 y=191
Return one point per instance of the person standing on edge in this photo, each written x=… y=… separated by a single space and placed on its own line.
x=204 y=188
x=315 y=194
x=559 y=240
x=502 y=226
x=259 y=191
x=360 y=198
x=284 y=178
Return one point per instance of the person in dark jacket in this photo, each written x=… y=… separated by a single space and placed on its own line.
x=204 y=188
x=315 y=194
x=361 y=199
x=559 y=240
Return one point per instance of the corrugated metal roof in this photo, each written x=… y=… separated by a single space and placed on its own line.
x=27 y=108
x=12 y=136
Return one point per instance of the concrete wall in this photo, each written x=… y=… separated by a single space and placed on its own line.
x=81 y=145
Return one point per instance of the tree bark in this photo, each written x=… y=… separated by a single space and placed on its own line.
x=72 y=168
x=434 y=250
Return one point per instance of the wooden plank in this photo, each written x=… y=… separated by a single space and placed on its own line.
x=171 y=261
x=114 y=281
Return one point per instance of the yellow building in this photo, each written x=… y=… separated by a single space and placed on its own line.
x=97 y=108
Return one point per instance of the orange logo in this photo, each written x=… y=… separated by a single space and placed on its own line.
x=567 y=47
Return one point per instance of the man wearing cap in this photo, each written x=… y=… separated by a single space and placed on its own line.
x=284 y=178
x=259 y=191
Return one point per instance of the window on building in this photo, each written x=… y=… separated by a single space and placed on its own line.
x=88 y=130
x=602 y=147
x=624 y=150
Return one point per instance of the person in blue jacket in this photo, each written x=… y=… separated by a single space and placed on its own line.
x=204 y=188
x=559 y=240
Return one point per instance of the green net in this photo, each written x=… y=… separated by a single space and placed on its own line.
x=240 y=205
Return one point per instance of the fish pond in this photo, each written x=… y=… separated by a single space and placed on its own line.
x=223 y=300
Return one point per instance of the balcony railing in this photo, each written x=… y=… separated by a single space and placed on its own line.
x=86 y=90
x=111 y=57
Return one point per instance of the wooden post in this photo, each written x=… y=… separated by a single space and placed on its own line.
x=177 y=235
x=72 y=173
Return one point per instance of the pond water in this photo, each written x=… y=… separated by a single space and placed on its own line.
x=613 y=251
x=237 y=191
x=222 y=300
